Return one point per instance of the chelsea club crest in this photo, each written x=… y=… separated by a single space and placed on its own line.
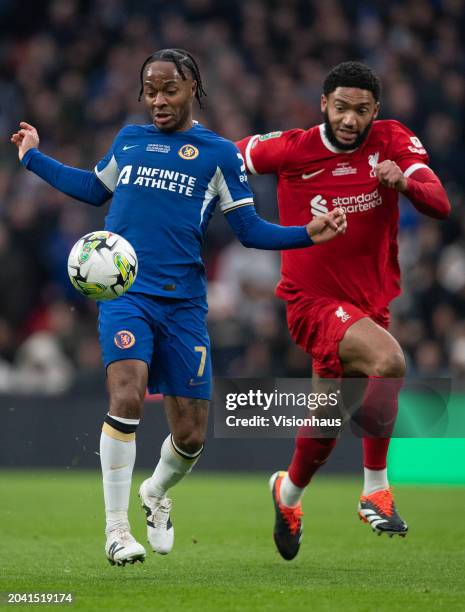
x=188 y=151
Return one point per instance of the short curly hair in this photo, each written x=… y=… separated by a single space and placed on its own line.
x=352 y=74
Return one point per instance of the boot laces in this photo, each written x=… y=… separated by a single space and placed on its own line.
x=161 y=513
x=292 y=515
x=123 y=535
x=383 y=500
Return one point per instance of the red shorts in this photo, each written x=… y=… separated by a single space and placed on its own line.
x=318 y=325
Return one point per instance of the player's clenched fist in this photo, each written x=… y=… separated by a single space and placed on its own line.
x=25 y=138
x=390 y=175
x=328 y=226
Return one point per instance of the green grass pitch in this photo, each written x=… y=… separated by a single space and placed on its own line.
x=224 y=558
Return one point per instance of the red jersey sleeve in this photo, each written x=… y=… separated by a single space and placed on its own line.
x=266 y=153
x=424 y=189
x=406 y=149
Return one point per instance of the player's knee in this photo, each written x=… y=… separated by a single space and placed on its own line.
x=189 y=442
x=126 y=400
x=390 y=365
x=305 y=440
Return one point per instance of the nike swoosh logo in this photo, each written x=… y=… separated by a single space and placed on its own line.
x=195 y=384
x=118 y=467
x=126 y=147
x=312 y=174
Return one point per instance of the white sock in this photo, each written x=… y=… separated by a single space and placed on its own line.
x=173 y=465
x=290 y=494
x=375 y=480
x=117 y=457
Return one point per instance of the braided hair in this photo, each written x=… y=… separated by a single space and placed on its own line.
x=181 y=59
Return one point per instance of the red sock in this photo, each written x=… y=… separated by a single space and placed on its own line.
x=378 y=417
x=375 y=452
x=309 y=455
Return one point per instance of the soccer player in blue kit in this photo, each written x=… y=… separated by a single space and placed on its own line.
x=165 y=180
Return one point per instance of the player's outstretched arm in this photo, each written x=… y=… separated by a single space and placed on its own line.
x=255 y=232
x=425 y=191
x=237 y=203
x=80 y=184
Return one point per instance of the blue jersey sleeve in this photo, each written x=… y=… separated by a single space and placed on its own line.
x=236 y=199
x=255 y=232
x=80 y=184
x=231 y=179
x=107 y=170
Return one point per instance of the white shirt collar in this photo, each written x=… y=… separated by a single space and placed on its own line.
x=328 y=145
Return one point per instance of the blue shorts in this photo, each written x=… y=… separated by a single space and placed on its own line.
x=170 y=335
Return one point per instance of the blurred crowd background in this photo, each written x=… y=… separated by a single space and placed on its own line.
x=71 y=68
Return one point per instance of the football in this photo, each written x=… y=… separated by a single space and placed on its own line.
x=102 y=265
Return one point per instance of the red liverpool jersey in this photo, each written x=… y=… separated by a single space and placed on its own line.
x=313 y=178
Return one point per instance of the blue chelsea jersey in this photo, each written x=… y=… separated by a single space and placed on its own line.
x=165 y=189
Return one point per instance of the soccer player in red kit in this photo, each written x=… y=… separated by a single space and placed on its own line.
x=338 y=294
